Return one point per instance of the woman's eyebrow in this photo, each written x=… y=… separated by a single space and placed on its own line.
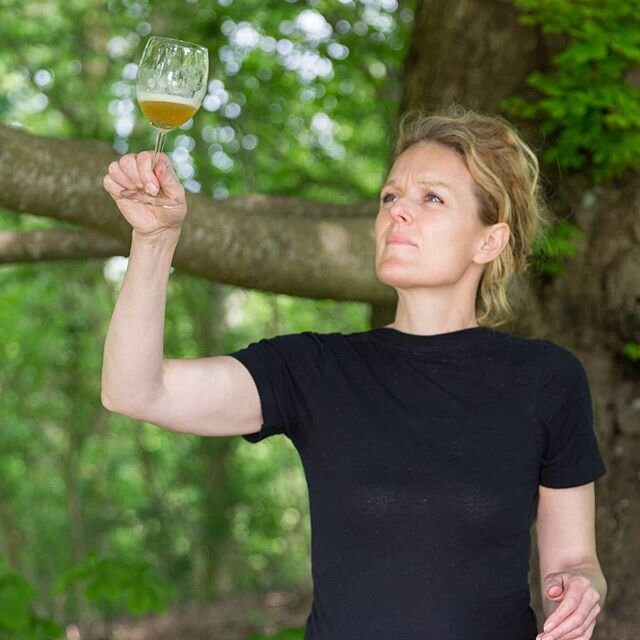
x=431 y=183
x=435 y=183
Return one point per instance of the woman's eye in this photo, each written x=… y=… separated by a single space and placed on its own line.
x=432 y=197
x=386 y=196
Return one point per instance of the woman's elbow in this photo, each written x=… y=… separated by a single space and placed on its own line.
x=116 y=406
x=106 y=401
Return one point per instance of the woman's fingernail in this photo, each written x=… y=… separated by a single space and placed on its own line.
x=549 y=626
x=151 y=189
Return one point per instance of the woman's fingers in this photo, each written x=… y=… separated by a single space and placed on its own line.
x=148 y=178
x=112 y=187
x=129 y=166
x=578 y=598
x=134 y=171
x=167 y=178
x=580 y=611
x=589 y=632
x=119 y=176
x=582 y=629
x=582 y=635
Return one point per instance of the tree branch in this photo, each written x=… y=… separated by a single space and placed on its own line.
x=57 y=244
x=273 y=243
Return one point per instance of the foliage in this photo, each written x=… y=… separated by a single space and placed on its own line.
x=551 y=255
x=18 y=620
x=589 y=104
x=141 y=491
x=300 y=92
x=301 y=100
x=632 y=351
x=119 y=584
x=286 y=634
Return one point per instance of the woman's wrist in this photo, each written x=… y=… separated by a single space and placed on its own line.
x=167 y=235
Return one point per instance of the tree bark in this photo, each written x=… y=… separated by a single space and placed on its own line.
x=468 y=52
x=273 y=243
x=57 y=244
x=475 y=53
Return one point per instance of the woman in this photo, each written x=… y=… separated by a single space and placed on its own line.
x=431 y=445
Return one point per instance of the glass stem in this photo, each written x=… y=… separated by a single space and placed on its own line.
x=160 y=136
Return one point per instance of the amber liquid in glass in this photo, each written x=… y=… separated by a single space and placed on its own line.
x=166 y=112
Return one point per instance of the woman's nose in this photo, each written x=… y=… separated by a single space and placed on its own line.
x=400 y=210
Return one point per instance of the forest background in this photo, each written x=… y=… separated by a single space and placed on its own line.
x=102 y=517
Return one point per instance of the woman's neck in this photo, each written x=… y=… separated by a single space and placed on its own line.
x=434 y=312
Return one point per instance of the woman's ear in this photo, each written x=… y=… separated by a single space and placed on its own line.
x=494 y=239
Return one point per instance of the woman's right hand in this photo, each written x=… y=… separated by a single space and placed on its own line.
x=133 y=171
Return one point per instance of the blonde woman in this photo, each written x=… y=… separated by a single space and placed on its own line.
x=430 y=446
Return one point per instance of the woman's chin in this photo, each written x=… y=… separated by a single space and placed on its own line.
x=396 y=275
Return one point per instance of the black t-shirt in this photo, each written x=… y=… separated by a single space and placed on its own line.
x=423 y=455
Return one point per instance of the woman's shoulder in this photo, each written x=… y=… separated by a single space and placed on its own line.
x=547 y=349
x=537 y=351
x=301 y=345
x=554 y=362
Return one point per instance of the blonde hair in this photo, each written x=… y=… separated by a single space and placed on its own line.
x=506 y=174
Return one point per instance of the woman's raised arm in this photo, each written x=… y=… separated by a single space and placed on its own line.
x=206 y=396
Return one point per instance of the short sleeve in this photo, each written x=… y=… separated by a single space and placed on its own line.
x=571 y=456
x=282 y=369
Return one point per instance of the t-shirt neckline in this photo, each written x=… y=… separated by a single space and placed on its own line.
x=468 y=338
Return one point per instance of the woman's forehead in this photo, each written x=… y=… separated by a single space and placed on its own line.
x=431 y=163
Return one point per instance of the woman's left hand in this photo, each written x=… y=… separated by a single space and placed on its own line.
x=577 y=607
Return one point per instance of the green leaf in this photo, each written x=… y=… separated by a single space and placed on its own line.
x=140 y=602
x=632 y=351
x=15 y=602
x=584 y=101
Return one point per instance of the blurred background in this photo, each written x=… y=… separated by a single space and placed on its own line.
x=106 y=523
x=301 y=99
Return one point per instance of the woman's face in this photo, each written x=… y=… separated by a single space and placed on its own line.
x=427 y=228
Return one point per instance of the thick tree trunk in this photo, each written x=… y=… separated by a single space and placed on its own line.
x=475 y=53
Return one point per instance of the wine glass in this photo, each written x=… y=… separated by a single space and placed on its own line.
x=171 y=83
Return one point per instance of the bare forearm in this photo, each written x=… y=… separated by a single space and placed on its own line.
x=134 y=347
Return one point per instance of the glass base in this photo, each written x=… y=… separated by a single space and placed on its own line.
x=159 y=200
